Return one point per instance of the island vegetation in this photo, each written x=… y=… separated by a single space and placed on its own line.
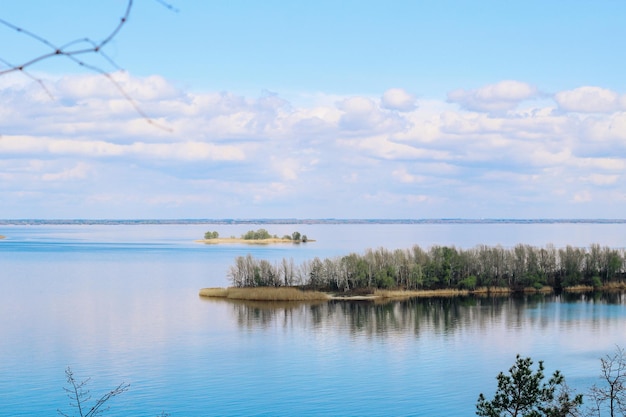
x=255 y=236
x=442 y=270
x=2 y=237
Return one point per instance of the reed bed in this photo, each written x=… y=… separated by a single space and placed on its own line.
x=491 y=290
x=264 y=294
x=214 y=292
x=295 y=294
x=614 y=286
x=544 y=290
x=578 y=288
x=451 y=292
x=609 y=286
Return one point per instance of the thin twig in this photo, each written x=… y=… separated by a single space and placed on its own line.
x=73 y=50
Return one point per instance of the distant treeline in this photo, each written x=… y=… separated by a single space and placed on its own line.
x=440 y=267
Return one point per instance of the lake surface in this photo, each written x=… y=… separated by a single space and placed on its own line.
x=120 y=303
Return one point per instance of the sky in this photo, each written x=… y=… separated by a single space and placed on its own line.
x=325 y=109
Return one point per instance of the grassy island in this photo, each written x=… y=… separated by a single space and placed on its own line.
x=260 y=236
x=2 y=237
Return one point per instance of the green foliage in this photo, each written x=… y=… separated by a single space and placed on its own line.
x=296 y=236
x=596 y=282
x=384 y=278
x=257 y=235
x=211 y=235
x=468 y=283
x=523 y=393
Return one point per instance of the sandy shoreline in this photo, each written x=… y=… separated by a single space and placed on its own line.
x=295 y=294
x=249 y=241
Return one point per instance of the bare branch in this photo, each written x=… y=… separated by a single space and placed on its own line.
x=73 y=50
x=79 y=395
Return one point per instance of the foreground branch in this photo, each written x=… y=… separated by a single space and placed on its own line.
x=74 y=51
x=79 y=396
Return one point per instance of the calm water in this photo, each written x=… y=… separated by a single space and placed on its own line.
x=119 y=303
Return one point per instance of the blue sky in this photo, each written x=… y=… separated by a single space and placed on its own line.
x=352 y=109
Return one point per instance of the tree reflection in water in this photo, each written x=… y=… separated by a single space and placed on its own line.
x=443 y=315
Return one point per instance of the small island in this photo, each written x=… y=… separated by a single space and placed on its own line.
x=260 y=236
x=2 y=237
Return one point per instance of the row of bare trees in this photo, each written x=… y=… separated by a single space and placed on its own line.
x=441 y=267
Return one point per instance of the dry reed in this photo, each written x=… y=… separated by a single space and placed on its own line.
x=491 y=290
x=614 y=286
x=264 y=294
x=450 y=292
x=544 y=290
x=214 y=292
x=578 y=288
x=609 y=286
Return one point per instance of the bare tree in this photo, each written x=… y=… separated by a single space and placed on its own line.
x=611 y=395
x=79 y=396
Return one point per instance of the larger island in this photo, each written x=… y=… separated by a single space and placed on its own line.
x=439 y=270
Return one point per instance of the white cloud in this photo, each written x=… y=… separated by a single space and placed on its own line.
x=402 y=175
x=398 y=99
x=344 y=153
x=610 y=128
x=383 y=147
x=184 y=151
x=595 y=163
x=363 y=114
x=600 y=179
x=588 y=100
x=79 y=171
x=582 y=197
x=89 y=87
x=502 y=96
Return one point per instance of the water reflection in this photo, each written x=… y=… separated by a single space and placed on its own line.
x=440 y=315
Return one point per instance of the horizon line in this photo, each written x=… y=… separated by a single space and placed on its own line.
x=328 y=220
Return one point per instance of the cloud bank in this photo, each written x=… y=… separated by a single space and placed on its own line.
x=501 y=150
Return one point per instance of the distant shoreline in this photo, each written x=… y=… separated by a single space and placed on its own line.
x=286 y=221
